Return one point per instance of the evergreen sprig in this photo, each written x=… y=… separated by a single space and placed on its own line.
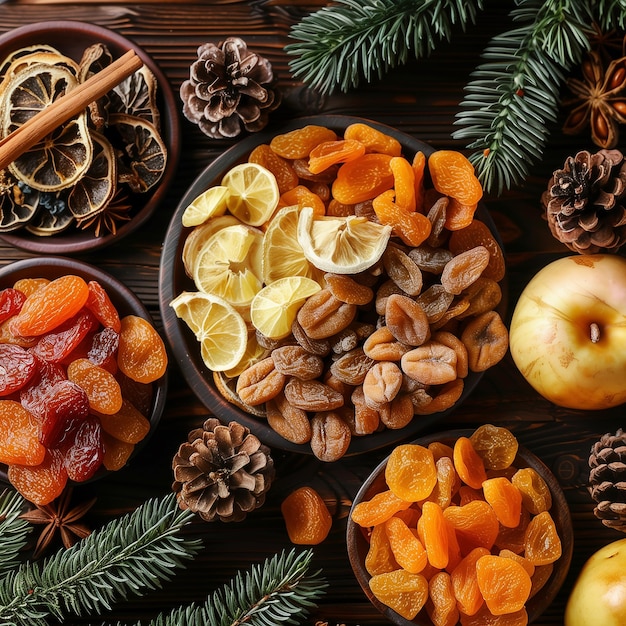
x=14 y=531
x=339 y=45
x=127 y=556
x=279 y=591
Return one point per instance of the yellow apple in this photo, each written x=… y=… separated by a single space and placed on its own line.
x=598 y=597
x=568 y=332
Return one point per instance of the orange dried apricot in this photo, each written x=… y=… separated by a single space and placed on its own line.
x=540 y=577
x=19 y=443
x=51 y=305
x=373 y=139
x=411 y=227
x=518 y=558
x=42 y=483
x=307 y=518
x=505 y=500
x=432 y=529
x=419 y=167
x=30 y=285
x=330 y=153
x=141 y=355
x=442 y=607
x=115 y=453
x=101 y=387
x=495 y=445
x=128 y=424
x=542 y=544
x=380 y=558
x=468 y=464
x=465 y=582
x=503 y=583
x=459 y=215
x=403 y=183
x=440 y=449
x=402 y=591
x=302 y=196
x=378 y=509
x=513 y=538
x=283 y=170
x=448 y=482
x=469 y=494
x=298 y=143
x=453 y=175
x=363 y=178
x=99 y=303
x=475 y=524
x=410 y=472
x=536 y=496
x=407 y=549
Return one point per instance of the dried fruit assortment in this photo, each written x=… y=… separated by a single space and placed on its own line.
x=75 y=383
x=84 y=174
x=460 y=531
x=353 y=294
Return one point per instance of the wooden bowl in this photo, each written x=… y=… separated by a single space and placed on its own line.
x=71 y=38
x=125 y=301
x=358 y=545
x=173 y=280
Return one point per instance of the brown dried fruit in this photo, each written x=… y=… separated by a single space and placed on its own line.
x=260 y=382
x=431 y=363
x=486 y=339
x=435 y=302
x=296 y=361
x=403 y=270
x=406 y=320
x=330 y=437
x=381 y=345
x=366 y=418
x=288 y=421
x=382 y=383
x=323 y=315
x=397 y=413
x=446 y=397
x=348 y=290
x=464 y=269
x=312 y=395
x=352 y=367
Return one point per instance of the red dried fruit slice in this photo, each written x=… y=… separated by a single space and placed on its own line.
x=83 y=457
x=11 y=301
x=63 y=407
x=100 y=304
x=103 y=349
x=19 y=435
x=18 y=367
x=42 y=483
x=47 y=374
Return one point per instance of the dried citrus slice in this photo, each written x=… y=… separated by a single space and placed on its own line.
x=274 y=309
x=282 y=253
x=254 y=193
x=62 y=157
x=199 y=236
x=229 y=264
x=219 y=328
x=341 y=245
x=210 y=203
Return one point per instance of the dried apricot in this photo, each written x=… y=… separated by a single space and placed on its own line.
x=302 y=196
x=442 y=606
x=100 y=304
x=29 y=285
x=402 y=591
x=505 y=500
x=465 y=582
x=127 y=424
x=411 y=227
x=468 y=463
x=19 y=443
x=407 y=549
x=40 y=484
x=141 y=354
x=101 y=387
x=542 y=544
x=477 y=233
x=363 y=178
x=475 y=524
x=419 y=166
x=330 y=153
x=504 y=584
x=378 y=509
x=380 y=558
x=410 y=472
x=432 y=529
x=495 y=445
x=536 y=495
x=403 y=183
x=486 y=339
x=373 y=139
x=282 y=169
x=298 y=143
x=306 y=516
x=453 y=175
x=115 y=453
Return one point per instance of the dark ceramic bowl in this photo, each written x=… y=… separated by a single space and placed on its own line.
x=173 y=281
x=71 y=38
x=124 y=300
x=358 y=545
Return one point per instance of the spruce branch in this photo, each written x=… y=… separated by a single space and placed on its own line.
x=513 y=95
x=611 y=14
x=128 y=555
x=341 y=44
x=279 y=591
x=14 y=531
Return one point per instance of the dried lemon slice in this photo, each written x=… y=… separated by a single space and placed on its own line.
x=282 y=254
x=210 y=203
x=341 y=245
x=254 y=193
x=219 y=328
x=229 y=264
x=274 y=309
x=62 y=157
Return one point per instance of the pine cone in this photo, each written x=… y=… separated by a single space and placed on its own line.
x=229 y=90
x=607 y=479
x=222 y=472
x=585 y=202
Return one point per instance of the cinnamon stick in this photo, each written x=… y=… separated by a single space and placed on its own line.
x=66 y=107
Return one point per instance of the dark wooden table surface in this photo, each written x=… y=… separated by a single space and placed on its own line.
x=421 y=99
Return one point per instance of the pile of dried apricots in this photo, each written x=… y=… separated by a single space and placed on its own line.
x=75 y=383
x=460 y=531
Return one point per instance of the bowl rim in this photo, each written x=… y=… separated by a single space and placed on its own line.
x=53 y=266
x=75 y=242
x=356 y=543
x=181 y=339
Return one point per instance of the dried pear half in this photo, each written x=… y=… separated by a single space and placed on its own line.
x=93 y=192
x=61 y=158
x=143 y=154
x=16 y=207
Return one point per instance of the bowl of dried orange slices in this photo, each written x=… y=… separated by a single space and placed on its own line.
x=99 y=176
x=333 y=284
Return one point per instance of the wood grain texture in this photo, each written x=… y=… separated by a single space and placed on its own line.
x=420 y=98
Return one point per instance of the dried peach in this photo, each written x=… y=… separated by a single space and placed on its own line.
x=402 y=591
x=504 y=584
x=410 y=472
x=306 y=516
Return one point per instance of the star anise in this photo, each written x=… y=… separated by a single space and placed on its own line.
x=108 y=219
x=598 y=100
x=59 y=516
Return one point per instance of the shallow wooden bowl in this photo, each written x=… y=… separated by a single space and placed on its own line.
x=358 y=545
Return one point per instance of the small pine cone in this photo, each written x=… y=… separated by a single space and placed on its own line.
x=229 y=90
x=607 y=479
x=222 y=472
x=585 y=203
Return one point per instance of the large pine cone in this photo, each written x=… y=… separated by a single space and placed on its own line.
x=607 y=479
x=585 y=203
x=229 y=90
x=222 y=472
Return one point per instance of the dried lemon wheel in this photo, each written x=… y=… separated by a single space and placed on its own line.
x=282 y=254
x=62 y=157
x=219 y=328
x=274 y=309
x=209 y=203
x=341 y=245
x=229 y=264
x=254 y=193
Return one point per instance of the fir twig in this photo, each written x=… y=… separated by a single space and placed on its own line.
x=280 y=591
x=341 y=44
x=513 y=96
x=611 y=14
x=14 y=531
x=128 y=555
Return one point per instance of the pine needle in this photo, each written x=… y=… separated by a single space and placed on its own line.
x=13 y=530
